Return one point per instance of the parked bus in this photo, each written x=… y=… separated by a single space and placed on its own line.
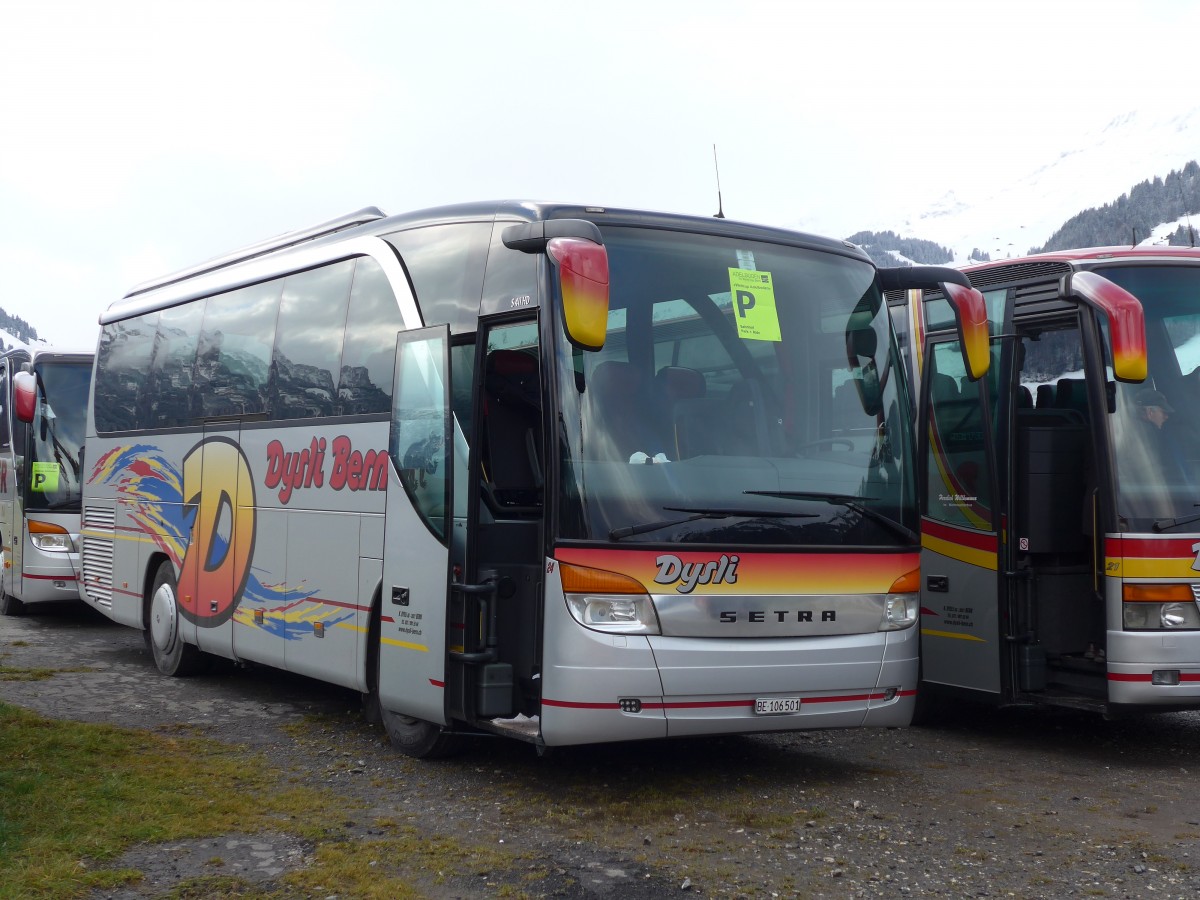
x=44 y=395
x=437 y=458
x=1061 y=501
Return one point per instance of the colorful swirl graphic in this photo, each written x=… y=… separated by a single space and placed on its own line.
x=154 y=490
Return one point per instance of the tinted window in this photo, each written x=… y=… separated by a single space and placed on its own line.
x=234 y=355
x=123 y=370
x=312 y=319
x=54 y=467
x=511 y=276
x=169 y=386
x=445 y=263
x=957 y=479
x=369 y=352
x=5 y=436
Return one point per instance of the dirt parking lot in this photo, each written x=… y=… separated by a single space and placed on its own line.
x=1011 y=803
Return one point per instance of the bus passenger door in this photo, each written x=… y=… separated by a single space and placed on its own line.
x=961 y=619
x=418 y=529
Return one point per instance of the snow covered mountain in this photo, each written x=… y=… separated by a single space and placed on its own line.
x=1099 y=167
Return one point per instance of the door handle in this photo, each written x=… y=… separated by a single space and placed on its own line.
x=938 y=583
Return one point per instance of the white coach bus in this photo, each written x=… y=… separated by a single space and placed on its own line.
x=438 y=458
x=44 y=395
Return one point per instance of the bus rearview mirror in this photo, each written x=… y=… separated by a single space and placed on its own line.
x=24 y=395
x=582 y=269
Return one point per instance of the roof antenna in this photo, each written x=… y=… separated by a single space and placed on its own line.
x=720 y=213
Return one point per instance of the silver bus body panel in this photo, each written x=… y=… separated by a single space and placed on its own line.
x=708 y=686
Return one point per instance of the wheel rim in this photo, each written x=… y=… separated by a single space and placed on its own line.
x=162 y=618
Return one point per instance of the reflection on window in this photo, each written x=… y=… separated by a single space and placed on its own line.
x=957 y=474
x=420 y=423
x=169 y=387
x=312 y=320
x=233 y=359
x=369 y=351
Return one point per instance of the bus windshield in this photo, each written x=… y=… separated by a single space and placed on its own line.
x=1156 y=424
x=57 y=430
x=747 y=393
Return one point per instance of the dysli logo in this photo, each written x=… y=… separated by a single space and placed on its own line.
x=672 y=569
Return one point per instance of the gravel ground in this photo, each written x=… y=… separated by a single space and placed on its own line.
x=1010 y=803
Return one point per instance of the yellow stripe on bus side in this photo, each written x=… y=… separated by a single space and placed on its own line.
x=982 y=558
x=1134 y=567
x=952 y=634
x=405 y=644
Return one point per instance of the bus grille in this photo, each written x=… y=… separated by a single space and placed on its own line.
x=97 y=556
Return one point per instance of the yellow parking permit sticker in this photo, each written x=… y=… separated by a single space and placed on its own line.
x=45 y=477
x=754 y=305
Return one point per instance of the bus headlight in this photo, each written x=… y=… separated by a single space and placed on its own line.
x=899 y=611
x=1156 y=607
x=621 y=615
x=53 y=538
x=902 y=604
x=608 y=601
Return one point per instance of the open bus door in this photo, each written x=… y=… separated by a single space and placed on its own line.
x=410 y=664
x=962 y=596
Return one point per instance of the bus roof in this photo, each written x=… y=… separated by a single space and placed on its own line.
x=1140 y=253
x=35 y=355
x=373 y=221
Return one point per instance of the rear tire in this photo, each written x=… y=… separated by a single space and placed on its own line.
x=172 y=655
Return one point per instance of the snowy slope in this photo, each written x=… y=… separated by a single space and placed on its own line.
x=1097 y=169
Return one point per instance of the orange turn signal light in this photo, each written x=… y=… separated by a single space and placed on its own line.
x=1157 y=593
x=585 y=580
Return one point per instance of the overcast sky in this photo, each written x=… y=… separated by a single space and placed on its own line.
x=140 y=138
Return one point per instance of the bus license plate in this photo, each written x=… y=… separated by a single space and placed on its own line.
x=776 y=706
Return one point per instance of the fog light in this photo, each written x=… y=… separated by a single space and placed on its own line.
x=1164 y=676
x=630 y=705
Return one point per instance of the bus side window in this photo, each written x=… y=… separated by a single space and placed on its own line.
x=169 y=383
x=369 y=349
x=5 y=436
x=308 y=345
x=233 y=359
x=512 y=418
x=122 y=374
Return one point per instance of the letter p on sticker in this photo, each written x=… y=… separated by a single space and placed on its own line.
x=745 y=303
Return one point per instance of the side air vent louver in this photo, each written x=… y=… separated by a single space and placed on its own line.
x=97 y=555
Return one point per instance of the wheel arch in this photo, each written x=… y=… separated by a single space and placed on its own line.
x=153 y=562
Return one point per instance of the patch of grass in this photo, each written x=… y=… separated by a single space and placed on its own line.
x=72 y=792
x=15 y=673
x=366 y=869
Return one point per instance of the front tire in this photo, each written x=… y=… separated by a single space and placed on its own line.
x=412 y=737
x=172 y=655
x=419 y=739
x=10 y=605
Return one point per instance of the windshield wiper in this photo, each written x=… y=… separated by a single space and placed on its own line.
x=854 y=503
x=1164 y=524
x=618 y=533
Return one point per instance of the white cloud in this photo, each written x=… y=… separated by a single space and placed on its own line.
x=157 y=135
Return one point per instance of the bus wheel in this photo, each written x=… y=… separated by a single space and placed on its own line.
x=413 y=737
x=10 y=605
x=172 y=654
